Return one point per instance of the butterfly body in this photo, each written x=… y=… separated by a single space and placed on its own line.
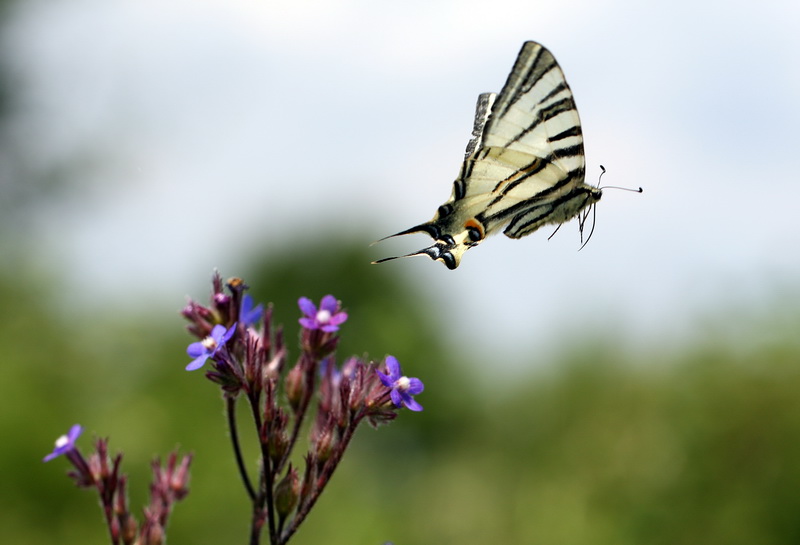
x=524 y=165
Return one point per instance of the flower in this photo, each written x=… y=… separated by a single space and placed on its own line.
x=402 y=386
x=247 y=314
x=202 y=350
x=65 y=443
x=327 y=318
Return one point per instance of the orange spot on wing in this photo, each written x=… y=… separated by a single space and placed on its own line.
x=472 y=222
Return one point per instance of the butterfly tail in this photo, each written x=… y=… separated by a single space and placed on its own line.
x=427 y=227
x=438 y=252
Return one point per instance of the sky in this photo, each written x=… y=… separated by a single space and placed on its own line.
x=200 y=129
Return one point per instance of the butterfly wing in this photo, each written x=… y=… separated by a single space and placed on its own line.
x=535 y=127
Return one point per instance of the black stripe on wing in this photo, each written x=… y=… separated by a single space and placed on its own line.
x=574 y=177
x=543 y=115
x=533 y=62
x=568 y=133
x=537 y=165
x=559 y=210
x=531 y=169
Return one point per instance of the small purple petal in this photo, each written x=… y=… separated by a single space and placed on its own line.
x=195 y=349
x=52 y=455
x=227 y=336
x=307 y=307
x=386 y=380
x=329 y=328
x=329 y=303
x=393 y=366
x=197 y=363
x=415 y=386
x=218 y=332
x=338 y=318
x=308 y=323
x=74 y=432
x=411 y=404
x=248 y=314
x=397 y=398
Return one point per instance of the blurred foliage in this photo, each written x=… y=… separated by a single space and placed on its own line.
x=686 y=444
x=693 y=444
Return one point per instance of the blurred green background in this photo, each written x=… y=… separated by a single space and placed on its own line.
x=680 y=444
x=599 y=437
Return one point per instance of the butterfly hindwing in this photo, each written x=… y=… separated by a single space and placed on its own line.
x=524 y=165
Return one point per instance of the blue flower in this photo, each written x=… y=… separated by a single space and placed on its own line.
x=247 y=314
x=202 y=350
x=327 y=318
x=402 y=386
x=65 y=443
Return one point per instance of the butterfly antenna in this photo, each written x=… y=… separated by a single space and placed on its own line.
x=640 y=190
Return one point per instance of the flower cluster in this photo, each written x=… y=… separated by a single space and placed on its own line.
x=250 y=363
x=170 y=484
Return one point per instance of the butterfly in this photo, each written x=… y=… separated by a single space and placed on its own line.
x=524 y=165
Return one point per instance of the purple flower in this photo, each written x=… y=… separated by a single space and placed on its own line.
x=65 y=443
x=402 y=386
x=202 y=350
x=327 y=318
x=247 y=314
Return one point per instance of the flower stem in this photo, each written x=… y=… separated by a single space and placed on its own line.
x=266 y=481
x=237 y=449
x=311 y=365
x=322 y=479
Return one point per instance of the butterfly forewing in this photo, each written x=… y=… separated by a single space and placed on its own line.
x=524 y=165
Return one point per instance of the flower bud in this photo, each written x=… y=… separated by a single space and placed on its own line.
x=179 y=480
x=287 y=493
x=153 y=534
x=295 y=386
x=129 y=529
x=278 y=446
x=323 y=445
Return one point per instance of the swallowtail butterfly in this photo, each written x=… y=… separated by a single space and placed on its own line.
x=524 y=166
